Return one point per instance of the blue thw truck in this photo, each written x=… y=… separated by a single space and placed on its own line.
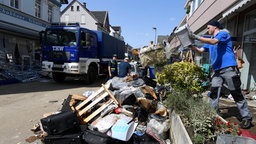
x=70 y=50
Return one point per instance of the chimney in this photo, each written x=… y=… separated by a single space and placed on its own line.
x=84 y=4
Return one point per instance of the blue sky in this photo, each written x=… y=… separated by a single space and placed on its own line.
x=138 y=17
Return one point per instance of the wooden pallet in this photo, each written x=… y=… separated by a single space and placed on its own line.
x=94 y=99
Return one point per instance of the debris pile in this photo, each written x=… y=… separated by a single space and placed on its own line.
x=152 y=55
x=123 y=110
x=11 y=72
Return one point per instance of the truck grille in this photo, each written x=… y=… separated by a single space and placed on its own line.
x=64 y=56
x=58 y=69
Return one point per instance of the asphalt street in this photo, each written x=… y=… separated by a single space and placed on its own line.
x=22 y=105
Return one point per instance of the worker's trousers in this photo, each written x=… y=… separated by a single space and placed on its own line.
x=231 y=78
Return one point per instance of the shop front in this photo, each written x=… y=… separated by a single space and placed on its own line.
x=248 y=72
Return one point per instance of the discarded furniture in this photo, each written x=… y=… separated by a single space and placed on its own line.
x=94 y=99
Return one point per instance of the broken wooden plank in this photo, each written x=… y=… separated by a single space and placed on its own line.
x=110 y=94
x=106 y=104
x=78 y=97
x=90 y=98
x=92 y=104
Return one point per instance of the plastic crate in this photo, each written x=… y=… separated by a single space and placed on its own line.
x=183 y=35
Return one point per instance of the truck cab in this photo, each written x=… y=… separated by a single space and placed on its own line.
x=70 y=50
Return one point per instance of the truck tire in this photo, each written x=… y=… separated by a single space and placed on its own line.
x=58 y=77
x=91 y=75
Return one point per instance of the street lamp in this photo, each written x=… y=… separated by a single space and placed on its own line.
x=154 y=28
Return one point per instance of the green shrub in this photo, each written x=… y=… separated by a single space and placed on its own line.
x=184 y=76
x=186 y=80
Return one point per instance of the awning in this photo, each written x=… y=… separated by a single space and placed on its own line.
x=235 y=7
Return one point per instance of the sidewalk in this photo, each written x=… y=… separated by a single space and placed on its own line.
x=230 y=112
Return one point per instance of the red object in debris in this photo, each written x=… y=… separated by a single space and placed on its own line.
x=247 y=133
x=124 y=111
x=118 y=110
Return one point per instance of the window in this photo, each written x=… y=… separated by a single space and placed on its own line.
x=50 y=15
x=38 y=8
x=232 y=26
x=83 y=19
x=59 y=37
x=87 y=40
x=195 y=4
x=72 y=8
x=77 y=8
x=250 y=29
x=198 y=2
x=14 y=3
x=66 y=18
x=250 y=22
x=83 y=39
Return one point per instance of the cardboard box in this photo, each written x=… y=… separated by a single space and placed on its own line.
x=122 y=130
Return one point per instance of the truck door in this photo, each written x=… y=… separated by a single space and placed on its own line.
x=88 y=45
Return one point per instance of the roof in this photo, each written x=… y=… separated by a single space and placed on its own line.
x=64 y=1
x=82 y=5
x=237 y=6
x=68 y=6
x=100 y=15
x=116 y=28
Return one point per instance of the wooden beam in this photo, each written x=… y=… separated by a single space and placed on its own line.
x=92 y=104
x=110 y=94
x=86 y=120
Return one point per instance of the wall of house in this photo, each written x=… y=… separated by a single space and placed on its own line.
x=208 y=10
x=19 y=28
x=13 y=17
x=82 y=16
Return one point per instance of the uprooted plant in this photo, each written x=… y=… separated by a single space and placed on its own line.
x=185 y=98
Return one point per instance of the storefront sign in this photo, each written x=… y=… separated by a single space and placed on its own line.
x=250 y=39
x=21 y=17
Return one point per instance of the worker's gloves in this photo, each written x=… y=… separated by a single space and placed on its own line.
x=193 y=36
x=191 y=46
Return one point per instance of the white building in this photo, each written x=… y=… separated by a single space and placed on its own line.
x=20 y=24
x=76 y=12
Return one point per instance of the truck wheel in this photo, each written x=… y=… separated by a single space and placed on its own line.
x=58 y=77
x=91 y=75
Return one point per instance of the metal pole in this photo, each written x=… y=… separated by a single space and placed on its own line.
x=154 y=28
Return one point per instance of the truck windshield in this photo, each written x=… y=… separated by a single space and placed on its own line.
x=61 y=37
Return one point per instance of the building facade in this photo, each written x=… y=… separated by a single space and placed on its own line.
x=239 y=17
x=20 y=24
x=76 y=12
